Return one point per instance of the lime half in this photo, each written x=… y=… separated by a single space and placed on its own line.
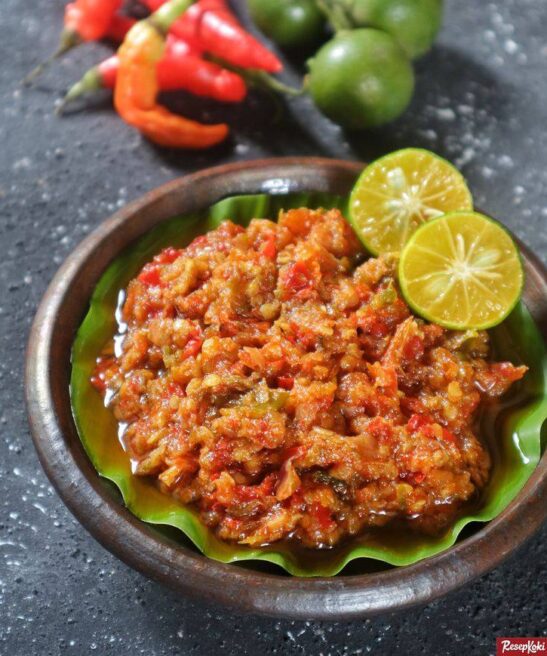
x=462 y=271
x=397 y=193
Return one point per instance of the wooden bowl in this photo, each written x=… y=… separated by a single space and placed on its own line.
x=183 y=568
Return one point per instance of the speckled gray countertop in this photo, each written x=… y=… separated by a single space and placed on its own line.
x=481 y=100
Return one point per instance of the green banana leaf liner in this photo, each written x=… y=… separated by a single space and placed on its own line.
x=514 y=428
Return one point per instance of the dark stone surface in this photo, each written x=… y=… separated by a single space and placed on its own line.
x=480 y=100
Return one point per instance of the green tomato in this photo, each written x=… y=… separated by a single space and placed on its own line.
x=414 y=23
x=361 y=79
x=290 y=23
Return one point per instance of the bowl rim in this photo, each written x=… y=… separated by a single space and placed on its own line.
x=189 y=572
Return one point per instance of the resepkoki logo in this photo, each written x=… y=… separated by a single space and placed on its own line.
x=514 y=646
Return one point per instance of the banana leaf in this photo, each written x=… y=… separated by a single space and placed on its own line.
x=513 y=429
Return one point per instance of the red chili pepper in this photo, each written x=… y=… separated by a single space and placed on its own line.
x=119 y=27
x=86 y=20
x=135 y=95
x=210 y=24
x=89 y=20
x=107 y=72
x=154 y=5
x=181 y=68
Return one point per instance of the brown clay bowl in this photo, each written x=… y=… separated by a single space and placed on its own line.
x=146 y=549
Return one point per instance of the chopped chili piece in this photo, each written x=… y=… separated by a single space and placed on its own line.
x=448 y=436
x=286 y=382
x=323 y=516
x=269 y=248
x=414 y=348
x=418 y=421
x=150 y=275
x=192 y=347
x=168 y=255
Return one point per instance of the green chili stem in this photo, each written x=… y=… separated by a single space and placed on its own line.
x=90 y=82
x=167 y=14
x=68 y=40
x=257 y=78
x=262 y=79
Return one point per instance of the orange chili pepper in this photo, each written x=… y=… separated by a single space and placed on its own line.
x=135 y=95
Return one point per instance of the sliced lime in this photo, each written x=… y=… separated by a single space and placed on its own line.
x=462 y=271
x=399 y=192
